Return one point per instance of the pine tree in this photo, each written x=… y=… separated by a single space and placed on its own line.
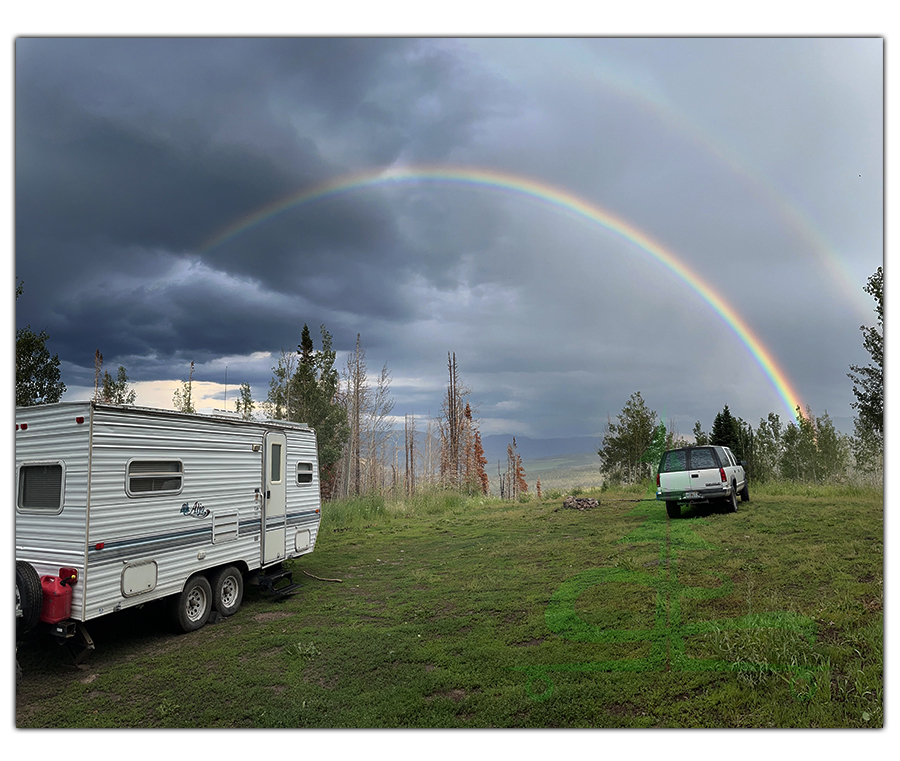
x=313 y=399
x=725 y=431
x=701 y=438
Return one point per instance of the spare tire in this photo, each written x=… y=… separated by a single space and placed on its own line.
x=29 y=597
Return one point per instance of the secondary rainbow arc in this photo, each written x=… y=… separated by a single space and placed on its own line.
x=554 y=196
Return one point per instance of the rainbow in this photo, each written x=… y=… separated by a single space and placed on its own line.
x=643 y=96
x=548 y=194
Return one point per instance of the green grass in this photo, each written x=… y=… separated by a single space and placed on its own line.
x=462 y=612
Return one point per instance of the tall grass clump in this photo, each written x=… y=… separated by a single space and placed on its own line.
x=365 y=509
x=802 y=489
x=353 y=511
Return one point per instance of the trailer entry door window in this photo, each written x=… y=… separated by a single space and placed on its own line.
x=275 y=477
x=304 y=473
x=41 y=487
x=152 y=477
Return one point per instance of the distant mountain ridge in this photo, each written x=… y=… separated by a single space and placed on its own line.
x=536 y=449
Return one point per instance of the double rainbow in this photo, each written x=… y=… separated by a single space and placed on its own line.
x=548 y=194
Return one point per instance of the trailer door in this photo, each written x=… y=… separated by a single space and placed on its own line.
x=274 y=505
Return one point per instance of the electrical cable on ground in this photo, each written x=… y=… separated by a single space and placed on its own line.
x=339 y=581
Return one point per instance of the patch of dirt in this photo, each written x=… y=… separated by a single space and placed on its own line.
x=624 y=709
x=456 y=695
x=93 y=695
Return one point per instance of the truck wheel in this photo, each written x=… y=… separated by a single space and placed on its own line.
x=673 y=510
x=29 y=597
x=745 y=492
x=228 y=590
x=192 y=607
x=731 y=500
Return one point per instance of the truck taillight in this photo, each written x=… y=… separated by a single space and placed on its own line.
x=68 y=575
x=657 y=479
x=722 y=473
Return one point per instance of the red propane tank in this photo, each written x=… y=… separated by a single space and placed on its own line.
x=57 y=603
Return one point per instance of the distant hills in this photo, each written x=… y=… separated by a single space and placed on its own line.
x=536 y=449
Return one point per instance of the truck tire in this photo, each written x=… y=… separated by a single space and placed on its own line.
x=228 y=590
x=745 y=492
x=29 y=597
x=673 y=510
x=191 y=608
x=731 y=500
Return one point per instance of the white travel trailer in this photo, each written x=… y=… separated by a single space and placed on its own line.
x=120 y=505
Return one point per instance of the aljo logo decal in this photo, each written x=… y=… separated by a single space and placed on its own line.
x=195 y=511
x=669 y=633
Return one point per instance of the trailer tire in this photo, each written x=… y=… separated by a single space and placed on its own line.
x=228 y=590
x=29 y=597
x=191 y=609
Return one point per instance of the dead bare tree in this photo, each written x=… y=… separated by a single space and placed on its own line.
x=453 y=428
x=410 y=454
x=98 y=365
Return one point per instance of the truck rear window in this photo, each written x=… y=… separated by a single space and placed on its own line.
x=703 y=458
x=674 y=461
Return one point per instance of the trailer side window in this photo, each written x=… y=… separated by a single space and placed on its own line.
x=151 y=477
x=304 y=473
x=41 y=487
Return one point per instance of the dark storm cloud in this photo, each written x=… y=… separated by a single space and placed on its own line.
x=125 y=146
x=132 y=155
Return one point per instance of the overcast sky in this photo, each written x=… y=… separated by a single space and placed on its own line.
x=755 y=164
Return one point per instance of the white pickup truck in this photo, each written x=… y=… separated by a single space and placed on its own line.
x=700 y=474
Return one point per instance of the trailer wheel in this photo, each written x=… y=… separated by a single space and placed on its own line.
x=29 y=597
x=228 y=590
x=192 y=607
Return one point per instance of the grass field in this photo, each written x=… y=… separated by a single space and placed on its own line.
x=453 y=612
